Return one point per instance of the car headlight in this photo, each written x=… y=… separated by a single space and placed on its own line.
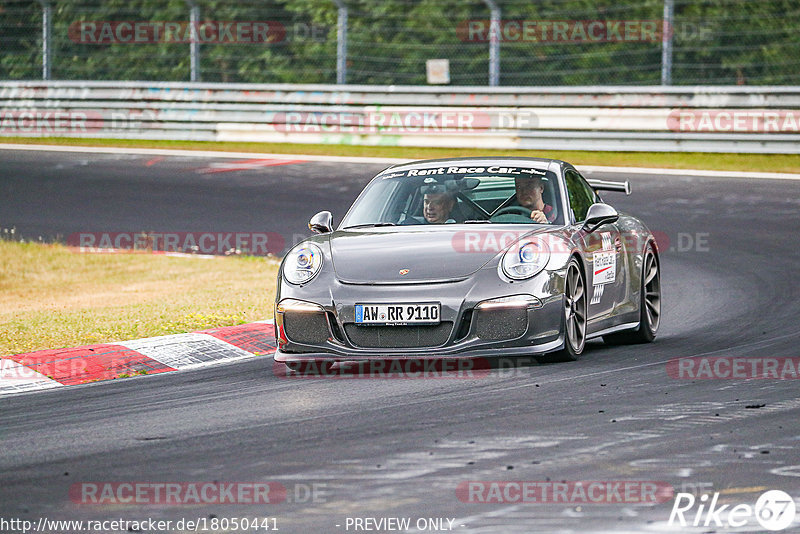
x=525 y=259
x=302 y=263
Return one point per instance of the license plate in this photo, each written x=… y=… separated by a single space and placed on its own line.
x=398 y=314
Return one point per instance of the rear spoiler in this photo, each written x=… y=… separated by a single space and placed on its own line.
x=602 y=185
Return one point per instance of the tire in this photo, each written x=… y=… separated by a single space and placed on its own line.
x=574 y=317
x=649 y=305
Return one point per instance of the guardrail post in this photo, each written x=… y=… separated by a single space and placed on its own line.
x=341 y=43
x=194 y=45
x=666 y=43
x=47 y=49
x=494 y=43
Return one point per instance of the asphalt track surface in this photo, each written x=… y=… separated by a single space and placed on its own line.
x=399 y=448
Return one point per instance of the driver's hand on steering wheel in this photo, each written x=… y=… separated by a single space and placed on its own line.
x=539 y=217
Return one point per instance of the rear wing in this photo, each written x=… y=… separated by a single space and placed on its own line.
x=603 y=185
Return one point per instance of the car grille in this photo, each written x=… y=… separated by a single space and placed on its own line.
x=400 y=337
x=500 y=324
x=305 y=327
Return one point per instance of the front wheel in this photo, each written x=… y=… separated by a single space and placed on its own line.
x=574 y=318
x=649 y=305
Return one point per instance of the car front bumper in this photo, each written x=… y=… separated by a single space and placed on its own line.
x=481 y=316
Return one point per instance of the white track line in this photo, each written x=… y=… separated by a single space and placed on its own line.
x=691 y=172
x=198 y=153
x=386 y=161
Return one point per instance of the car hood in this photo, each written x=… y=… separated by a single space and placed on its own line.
x=378 y=256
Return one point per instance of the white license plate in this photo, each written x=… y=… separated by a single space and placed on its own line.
x=398 y=314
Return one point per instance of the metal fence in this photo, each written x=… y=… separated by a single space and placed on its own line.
x=485 y=42
x=626 y=118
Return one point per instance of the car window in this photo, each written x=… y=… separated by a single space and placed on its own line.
x=581 y=195
x=442 y=195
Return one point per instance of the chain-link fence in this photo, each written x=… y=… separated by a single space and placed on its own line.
x=543 y=42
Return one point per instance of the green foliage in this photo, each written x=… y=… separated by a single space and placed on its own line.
x=389 y=41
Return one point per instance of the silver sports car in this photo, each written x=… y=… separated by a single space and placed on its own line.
x=469 y=258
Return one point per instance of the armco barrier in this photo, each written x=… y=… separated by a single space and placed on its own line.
x=696 y=119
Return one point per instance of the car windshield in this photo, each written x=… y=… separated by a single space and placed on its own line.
x=450 y=195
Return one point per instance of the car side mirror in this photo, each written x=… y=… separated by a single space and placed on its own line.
x=598 y=215
x=321 y=223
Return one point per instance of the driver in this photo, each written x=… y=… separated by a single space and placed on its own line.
x=437 y=207
x=529 y=195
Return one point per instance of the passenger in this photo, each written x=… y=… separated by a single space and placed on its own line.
x=437 y=207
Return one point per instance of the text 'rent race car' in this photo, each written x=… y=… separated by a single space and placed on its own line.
x=469 y=257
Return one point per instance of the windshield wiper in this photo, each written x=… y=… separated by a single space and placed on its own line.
x=370 y=225
x=477 y=221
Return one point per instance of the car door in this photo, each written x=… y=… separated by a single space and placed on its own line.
x=605 y=276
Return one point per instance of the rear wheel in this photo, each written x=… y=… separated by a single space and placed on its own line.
x=574 y=318
x=649 y=305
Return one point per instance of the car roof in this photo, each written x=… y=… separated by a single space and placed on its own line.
x=538 y=163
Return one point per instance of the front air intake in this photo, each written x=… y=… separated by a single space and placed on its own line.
x=399 y=337
x=310 y=328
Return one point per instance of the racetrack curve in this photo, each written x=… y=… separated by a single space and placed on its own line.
x=399 y=448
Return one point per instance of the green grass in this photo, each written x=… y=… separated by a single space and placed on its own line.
x=52 y=296
x=674 y=160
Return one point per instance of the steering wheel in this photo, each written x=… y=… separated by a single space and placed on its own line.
x=516 y=210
